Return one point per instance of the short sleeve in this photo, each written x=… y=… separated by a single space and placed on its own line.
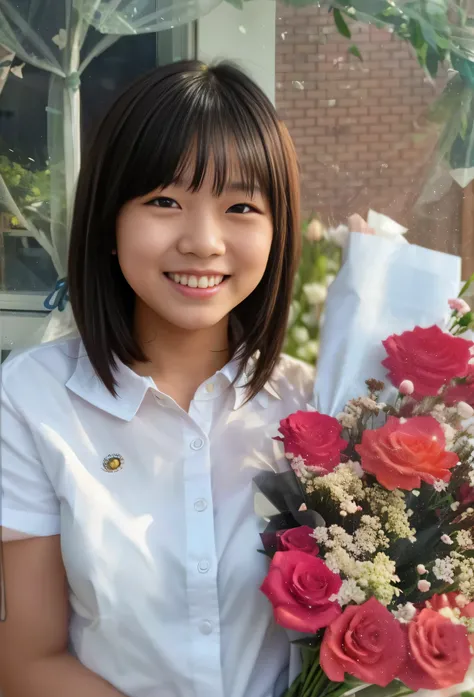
x=29 y=504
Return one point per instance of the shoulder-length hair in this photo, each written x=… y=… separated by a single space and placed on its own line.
x=177 y=112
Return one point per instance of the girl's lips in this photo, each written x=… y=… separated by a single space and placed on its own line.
x=189 y=292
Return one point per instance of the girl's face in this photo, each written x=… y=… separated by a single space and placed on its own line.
x=191 y=258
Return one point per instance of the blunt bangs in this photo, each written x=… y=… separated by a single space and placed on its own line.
x=171 y=126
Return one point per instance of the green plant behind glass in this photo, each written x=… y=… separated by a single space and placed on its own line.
x=320 y=261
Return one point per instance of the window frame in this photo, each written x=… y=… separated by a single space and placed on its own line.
x=21 y=312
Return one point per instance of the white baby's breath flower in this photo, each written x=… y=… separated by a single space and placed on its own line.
x=368 y=403
x=439 y=485
x=320 y=534
x=451 y=614
x=466 y=577
x=443 y=570
x=390 y=508
x=455 y=505
x=421 y=569
x=347 y=420
x=449 y=433
x=471 y=477
x=349 y=592
x=464 y=538
x=404 y=613
x=446 y=539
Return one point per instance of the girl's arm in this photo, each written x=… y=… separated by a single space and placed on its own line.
x=34 y=661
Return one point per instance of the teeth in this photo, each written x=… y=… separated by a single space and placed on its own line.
x=196 y=282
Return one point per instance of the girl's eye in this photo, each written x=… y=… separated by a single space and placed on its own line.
x=164 y=202
x=242 y=208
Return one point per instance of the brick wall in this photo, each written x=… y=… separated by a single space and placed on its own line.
x=354 y=124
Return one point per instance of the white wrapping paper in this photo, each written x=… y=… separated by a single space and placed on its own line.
x=381 y=289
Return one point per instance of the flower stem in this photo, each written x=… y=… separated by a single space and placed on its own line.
x=314 y=680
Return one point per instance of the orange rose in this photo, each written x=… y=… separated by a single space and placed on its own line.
x=404 y=452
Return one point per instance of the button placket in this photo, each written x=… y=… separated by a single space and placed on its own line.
x=201 y=553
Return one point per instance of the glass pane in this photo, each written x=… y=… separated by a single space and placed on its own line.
x=366 y=137
x=27 y=269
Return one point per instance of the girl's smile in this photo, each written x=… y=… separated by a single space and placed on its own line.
x=195 y=284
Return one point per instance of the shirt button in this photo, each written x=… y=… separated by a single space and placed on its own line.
x=203 y=566
x=200 y=505
x=205 y=627
x=210 y=387
x=197 y=443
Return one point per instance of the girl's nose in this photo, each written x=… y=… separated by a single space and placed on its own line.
x=202 y=237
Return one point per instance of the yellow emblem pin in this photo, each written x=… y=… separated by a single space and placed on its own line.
x=112 y=463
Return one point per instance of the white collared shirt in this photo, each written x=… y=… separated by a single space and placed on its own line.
x=160 y=552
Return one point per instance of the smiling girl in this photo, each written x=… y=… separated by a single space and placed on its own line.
x=128 y=453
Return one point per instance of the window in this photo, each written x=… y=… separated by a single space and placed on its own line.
x=27 y=270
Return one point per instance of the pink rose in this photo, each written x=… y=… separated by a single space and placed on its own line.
x=459 y=306
x=298 y=539
x=366 y=641
x=438 y=653
x=430 y=358
x=299 y=586
x=453 y=601
x=461 y=391
x=315 y=437
x=402 y=453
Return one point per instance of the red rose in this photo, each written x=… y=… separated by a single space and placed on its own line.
x=367 y=642
x=404 y=452
x=460 y=392
x=299 y=586
x=298 y=539
x=315 y=437
x=438 y=653
x=451 y=601
x=466 y=494
x=430 y=358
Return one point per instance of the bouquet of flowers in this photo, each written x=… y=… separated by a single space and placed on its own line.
x=371 y=532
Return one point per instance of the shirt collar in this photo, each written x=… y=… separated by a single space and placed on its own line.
x=131 y=388
x=230 y=371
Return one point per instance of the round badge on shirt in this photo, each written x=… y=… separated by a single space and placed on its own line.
x=112 y=463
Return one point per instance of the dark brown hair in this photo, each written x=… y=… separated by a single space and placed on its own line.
x=144 y=143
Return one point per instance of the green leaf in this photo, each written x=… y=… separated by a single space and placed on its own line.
x=341 y=24
x=354 y=51
x=432 y=62
x=416 y=35
x=466 y=285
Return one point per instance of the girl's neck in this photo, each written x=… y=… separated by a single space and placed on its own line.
x=180 y=359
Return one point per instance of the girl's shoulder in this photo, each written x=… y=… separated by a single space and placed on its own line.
x=32 y=371
x=294 y=378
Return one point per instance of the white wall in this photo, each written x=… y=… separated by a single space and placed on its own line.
x=246 y=36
